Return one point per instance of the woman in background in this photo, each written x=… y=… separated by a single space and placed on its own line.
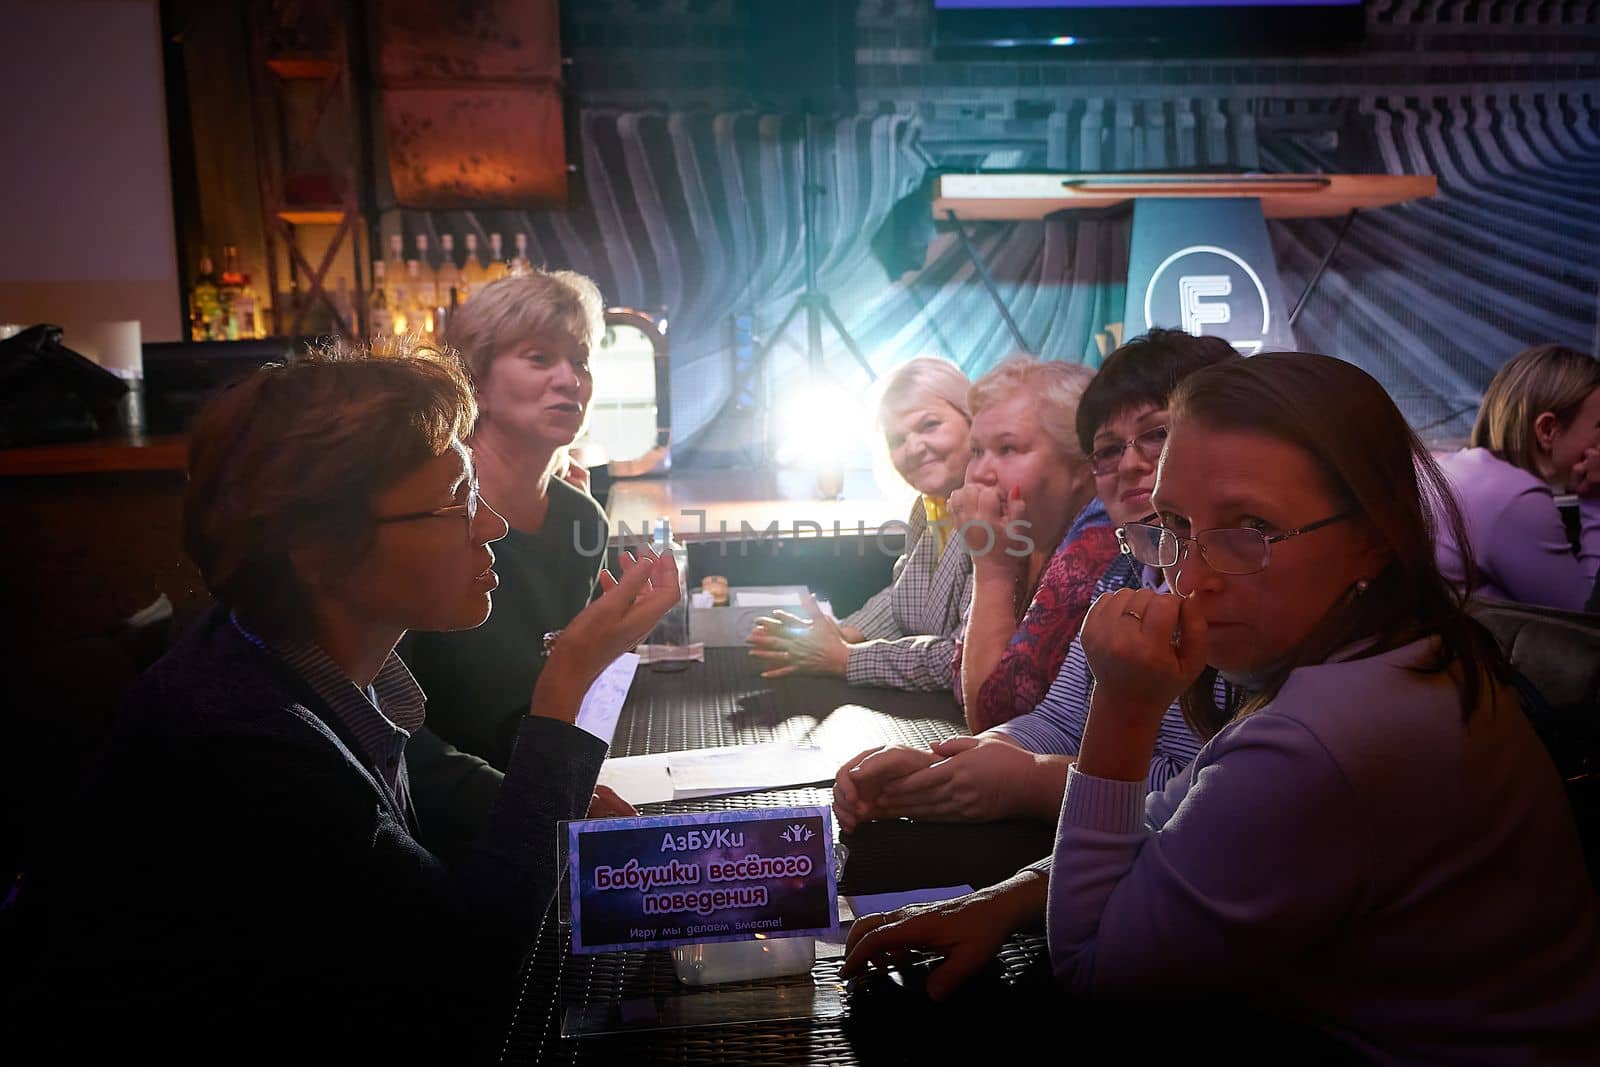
x=1537 y=434
x=526 y=341
x=904 y=637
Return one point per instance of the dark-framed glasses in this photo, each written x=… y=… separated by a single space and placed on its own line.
x=468 y=509
x=1229 y=550
x=1103 y=461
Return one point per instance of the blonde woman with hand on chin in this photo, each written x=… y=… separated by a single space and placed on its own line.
x=1038 y=537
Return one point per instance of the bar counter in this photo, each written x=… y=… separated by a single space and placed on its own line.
x=108 y=455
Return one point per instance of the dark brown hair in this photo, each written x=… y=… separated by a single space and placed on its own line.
x=293 y=456
x=1373 y=463
x=1145 y=370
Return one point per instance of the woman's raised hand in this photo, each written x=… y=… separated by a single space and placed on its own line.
x=1145 y=648
x=618 y=619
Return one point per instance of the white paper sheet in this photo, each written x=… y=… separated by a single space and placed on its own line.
x=709 y=772
x=602 y=704
x=744 y=768
x=745 y=598
x=638 y=779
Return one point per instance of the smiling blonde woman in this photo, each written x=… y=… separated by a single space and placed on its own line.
x=904 y=637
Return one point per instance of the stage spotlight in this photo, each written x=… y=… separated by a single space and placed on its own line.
x=823 y=428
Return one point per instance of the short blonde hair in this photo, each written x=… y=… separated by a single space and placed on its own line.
x=509 y=311
x=923 y=376
x=1543 y=378
x=293 y=457
x=1055 y=386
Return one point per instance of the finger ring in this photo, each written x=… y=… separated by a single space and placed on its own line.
x=1135 y=614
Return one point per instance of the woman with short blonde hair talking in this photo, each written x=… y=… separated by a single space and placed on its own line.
x=527 y=341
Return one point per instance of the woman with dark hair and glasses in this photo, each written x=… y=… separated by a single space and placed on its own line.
x=1019 y=767
x=244 y=879
x=1377 y=844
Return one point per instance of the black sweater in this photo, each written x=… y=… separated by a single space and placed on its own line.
x=236 y=875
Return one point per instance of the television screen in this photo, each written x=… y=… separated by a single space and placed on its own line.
x=1147 y=27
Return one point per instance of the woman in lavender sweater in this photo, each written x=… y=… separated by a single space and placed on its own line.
x=1377 y=845
x=1537 y=434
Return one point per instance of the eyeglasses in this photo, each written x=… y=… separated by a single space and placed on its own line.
x=1103 y=461
x=1231 y=550
x=469 y=509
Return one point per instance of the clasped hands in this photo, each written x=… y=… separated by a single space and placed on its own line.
x=962 y=779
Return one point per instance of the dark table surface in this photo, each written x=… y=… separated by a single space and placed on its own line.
x=724 y=701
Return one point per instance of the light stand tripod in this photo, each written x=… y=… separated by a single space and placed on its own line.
x=812 y=300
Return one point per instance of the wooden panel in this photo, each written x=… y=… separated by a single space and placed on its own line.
x=452 y=148
x=85 y=551
x=472 y=102
x=1021 y=197
x=424 y=40
x=165 y=453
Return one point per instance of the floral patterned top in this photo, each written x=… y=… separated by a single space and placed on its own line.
x=1035 y=652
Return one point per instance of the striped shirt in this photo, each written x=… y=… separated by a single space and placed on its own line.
x=1056 y=725
x=382 y=717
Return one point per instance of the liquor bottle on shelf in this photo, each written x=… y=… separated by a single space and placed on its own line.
x=394 y=270
x=379 y=318
x=473 y=272
x=447 y=279
x=205 y=304
x=430 y=286
x=420 y=302
x=520 y=263
x=498 y=267
x=238 y=299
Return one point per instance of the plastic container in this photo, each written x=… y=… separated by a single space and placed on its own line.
x=743 y=961
x=673 y=629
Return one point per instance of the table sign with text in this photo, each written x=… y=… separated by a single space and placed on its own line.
x=664 y=880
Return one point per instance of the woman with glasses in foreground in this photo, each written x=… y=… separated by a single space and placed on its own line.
x=1377 y=844
x=244 y=878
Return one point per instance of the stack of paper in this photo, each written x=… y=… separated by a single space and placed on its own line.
x=709 y=772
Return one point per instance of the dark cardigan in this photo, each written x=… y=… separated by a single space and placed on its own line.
x=237 y=884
